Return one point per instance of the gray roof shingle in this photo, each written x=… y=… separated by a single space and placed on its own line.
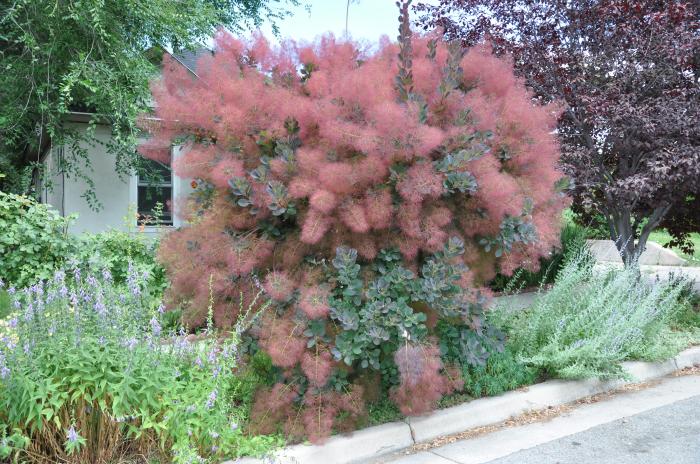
x=189 y=58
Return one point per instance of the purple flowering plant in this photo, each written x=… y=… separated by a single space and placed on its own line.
x=89 y=372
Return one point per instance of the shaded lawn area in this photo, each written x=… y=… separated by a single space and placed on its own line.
x=662 y=237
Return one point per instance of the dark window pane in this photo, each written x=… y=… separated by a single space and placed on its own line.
x=155 y=172
x=148 y=198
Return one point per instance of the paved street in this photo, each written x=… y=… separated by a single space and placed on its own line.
x=656 y=425
x=665 y=435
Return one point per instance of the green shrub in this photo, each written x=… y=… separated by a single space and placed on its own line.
x=34 y=240
x=114 y=250
x=87 y=375
x=689 y=317
x=5 y=304
x=501 y=373
x=382 y=411
x=117 y=251
x=592 y=320
x=595 y=223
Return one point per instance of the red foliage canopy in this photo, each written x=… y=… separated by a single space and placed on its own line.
x=303 y=149
x=297 y=166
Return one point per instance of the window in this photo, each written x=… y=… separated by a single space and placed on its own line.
x=155 y=194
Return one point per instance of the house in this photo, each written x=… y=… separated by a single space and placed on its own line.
x=125 y=203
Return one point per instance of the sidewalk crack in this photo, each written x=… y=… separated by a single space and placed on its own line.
x=413 y=433
x=443 y=457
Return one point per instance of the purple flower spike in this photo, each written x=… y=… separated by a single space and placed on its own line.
x=131 y=343
x=72 y=435
x=155 y=327
x=59 y=276
x=132 y=280
x=4 y=370
x=100 y=308
x=211 y=400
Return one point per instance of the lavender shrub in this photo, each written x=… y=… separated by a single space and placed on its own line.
x=593 y=319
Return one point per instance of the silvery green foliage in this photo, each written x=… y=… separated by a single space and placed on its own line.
x=372 y=321
x=242 y=192
x=33 y=241
x=376 y=318
x=593 y=319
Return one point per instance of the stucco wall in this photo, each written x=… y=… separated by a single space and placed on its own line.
x=51 y=189
x=116 y=195
x=112 y=192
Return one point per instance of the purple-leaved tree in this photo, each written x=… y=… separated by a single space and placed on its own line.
x=628 y=72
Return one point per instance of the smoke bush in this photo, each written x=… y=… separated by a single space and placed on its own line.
x=422 y=383
x=390 y=163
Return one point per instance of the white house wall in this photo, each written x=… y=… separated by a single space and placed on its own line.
x=51 y=189
x=182 y=187
x=111 y=191
x=117 y=196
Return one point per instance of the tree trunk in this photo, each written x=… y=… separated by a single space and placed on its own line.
x=623 y=231
x=624 y=237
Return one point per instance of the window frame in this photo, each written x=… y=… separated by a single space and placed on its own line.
x=141 y=183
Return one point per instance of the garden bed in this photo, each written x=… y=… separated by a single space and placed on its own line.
x=373 y=442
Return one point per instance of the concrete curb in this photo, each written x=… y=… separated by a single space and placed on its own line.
x=358 y=447
x=371 y=443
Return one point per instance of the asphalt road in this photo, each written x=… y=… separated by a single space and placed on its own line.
x=666 y=435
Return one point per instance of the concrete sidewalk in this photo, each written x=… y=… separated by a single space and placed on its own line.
x=647 y=426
